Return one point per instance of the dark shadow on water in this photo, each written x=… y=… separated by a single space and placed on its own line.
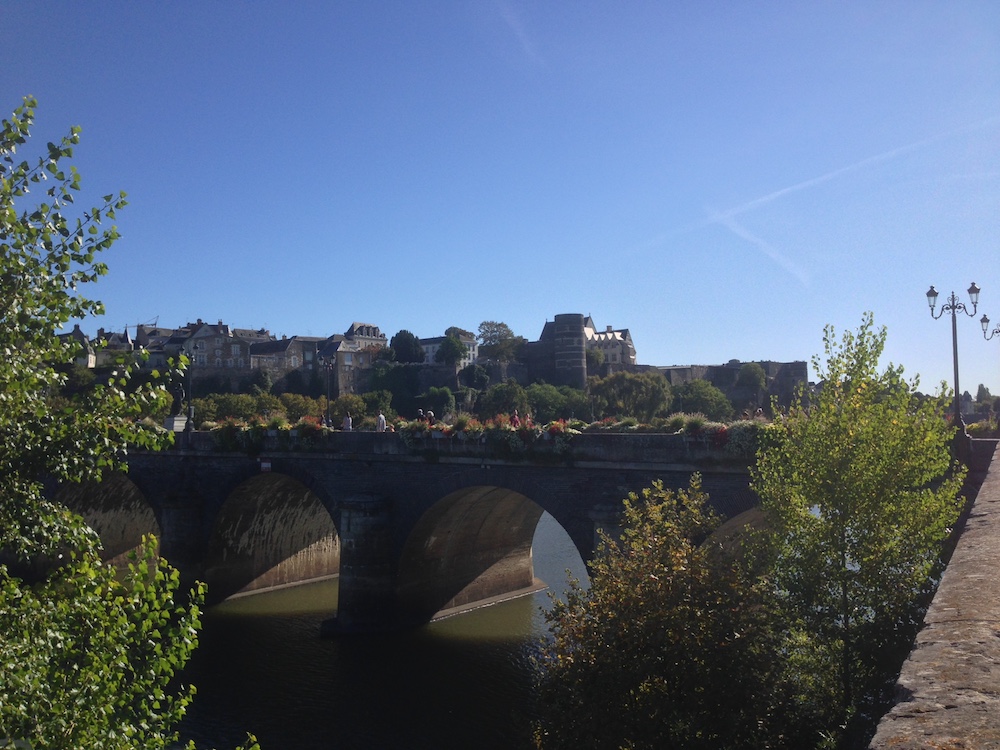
x=457 y=683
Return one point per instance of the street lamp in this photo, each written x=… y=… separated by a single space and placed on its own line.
x=953 y=306
x=328 y=365
x=189 y=425
x=985 y=323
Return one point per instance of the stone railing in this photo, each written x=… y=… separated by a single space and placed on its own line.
x=948 y=692
x=628 y=448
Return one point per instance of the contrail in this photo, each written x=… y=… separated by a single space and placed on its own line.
x=727 y=218
x=885 y=156
x=730 y=223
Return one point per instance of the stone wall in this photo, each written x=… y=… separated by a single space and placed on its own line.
x=948 y=692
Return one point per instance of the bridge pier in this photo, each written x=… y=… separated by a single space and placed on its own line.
x=366 y=600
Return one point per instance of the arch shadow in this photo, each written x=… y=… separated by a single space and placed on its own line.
x=471 y=547
x=272 y=531
x=116 y=510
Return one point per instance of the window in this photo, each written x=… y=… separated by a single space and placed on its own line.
x=347 y=359
x=236 y=350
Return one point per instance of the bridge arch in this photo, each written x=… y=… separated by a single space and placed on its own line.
x=471 y=545
x=271 y=531
x=116 y=509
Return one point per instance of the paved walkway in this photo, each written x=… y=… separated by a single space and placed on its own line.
x=949 y=687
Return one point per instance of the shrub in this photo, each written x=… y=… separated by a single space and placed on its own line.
x=743 y=438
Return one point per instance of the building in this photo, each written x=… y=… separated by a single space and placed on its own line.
x=343 y=358
x=468 y=340
x=559 y=357
x=86 y=356
x=615 y=345
x=110 y=347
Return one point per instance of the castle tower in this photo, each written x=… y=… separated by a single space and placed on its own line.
x=570 y=350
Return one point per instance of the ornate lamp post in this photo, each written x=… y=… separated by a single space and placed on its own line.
x=985 y=323
x=954 y=306
x=189 y=424
x=328 y=363
x=988 y=334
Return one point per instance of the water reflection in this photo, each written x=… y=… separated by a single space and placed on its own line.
x=456 y=683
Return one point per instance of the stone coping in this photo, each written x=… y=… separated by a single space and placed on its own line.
x=948 y=692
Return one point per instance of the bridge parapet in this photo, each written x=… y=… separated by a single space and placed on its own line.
x=947 y=691
x=618 y=448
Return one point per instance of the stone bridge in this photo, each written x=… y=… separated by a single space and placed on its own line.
x=411 y=529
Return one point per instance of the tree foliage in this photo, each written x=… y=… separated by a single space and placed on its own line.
x=752 y=375
x=497 y=341
x=701 y=397
x=474 y=376
x=545 y=402
x=627 y=394
x=402 y=382
x=595 y=361
x=407 y=347
x=441 y=401
x=860 y=491
x=347 y=403
x=451 y=351
x=378 y=401
x=87 y=658
x=502 y=398
x=671 y=646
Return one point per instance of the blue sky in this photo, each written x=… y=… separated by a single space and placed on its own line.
x=722 y=178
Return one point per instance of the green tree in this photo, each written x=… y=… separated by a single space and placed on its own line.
x=545 y=402
x=260 y=381
x=474 y=376
x=752 y=375
x=497 y=341
x=297 y=406
x=348 y=402
x=450 y=352
x=502 y=398
x=701 y=397
x=87 y=658
x=595 y=360
x=627 y=394
x=78 y=378
x=671 y=646
x=402 y=381
x=577 y=403
x=860 y=492
x=378 y=401
x=441 y=401
x=458 y=333
x=407 y=347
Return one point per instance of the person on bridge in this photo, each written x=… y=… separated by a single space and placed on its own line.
x=380 y=422
x=348 y=422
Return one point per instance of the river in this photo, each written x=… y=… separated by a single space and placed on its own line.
x=462 y=682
